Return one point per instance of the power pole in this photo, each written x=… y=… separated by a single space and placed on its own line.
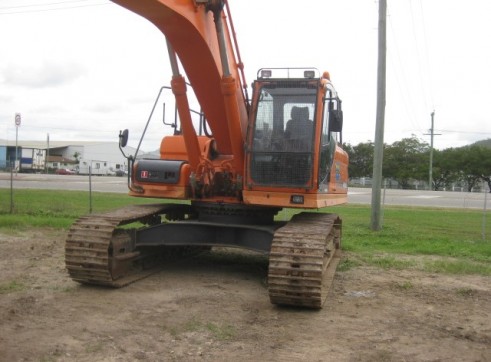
x=432 y=134
x=376 y=220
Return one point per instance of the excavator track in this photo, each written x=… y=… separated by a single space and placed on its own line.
x=98 y=252
x=303 y=259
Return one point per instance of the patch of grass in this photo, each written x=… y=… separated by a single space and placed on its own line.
x=388 y=261
x=24 y=222
x=191 y=325
x=173 y=331
x=406 y=285
x=218 y=331
x=11 y=287
x=453 y=235
x=347 y=264
x=57 y=209
x=465 y=292
x=221 y=332
x=460 y=267
x=450 y=233
x=94 y=347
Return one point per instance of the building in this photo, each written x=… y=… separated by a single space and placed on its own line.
x=25 y=156
x=57 y=162
x=101 y=158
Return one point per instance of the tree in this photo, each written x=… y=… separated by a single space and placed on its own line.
x=76 y=156
x=360 y=159
x=406 y=160
x=445 y=171
x=475 y=164
x=487 y=179
x=486 y=166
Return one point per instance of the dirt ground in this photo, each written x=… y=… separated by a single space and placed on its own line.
x=215 y=307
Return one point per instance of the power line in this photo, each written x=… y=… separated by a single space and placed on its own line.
x=418 y=55
x=48 y=6
x=404 y=90
x=427 y=57
x=42 y=4
x=466 y=132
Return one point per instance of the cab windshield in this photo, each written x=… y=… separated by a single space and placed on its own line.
x=284 y=134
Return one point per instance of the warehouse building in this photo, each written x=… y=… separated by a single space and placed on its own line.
x=101 y=158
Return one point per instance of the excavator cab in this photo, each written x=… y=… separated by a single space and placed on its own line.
x=294 y=131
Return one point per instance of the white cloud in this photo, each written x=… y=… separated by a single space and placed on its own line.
x=87 y=72
x=46 y=74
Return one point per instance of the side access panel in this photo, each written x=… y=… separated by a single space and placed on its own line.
x=159 y=171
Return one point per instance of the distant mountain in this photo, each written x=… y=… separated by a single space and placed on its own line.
x=484 y=143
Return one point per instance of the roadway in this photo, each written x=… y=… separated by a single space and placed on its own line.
x=444 y=199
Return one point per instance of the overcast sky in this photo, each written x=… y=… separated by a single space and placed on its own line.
x=84 y=69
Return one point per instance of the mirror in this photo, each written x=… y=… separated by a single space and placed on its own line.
x=336 y=121
x=335 y=116
x=123 y=138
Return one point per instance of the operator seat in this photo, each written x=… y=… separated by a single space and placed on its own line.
x=299 y=130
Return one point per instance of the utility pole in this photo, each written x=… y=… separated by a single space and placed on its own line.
x=376 y=220
x=432 y=134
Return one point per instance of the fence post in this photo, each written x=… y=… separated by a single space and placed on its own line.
x=11 y=190
x=90 y=189
x=484 y=215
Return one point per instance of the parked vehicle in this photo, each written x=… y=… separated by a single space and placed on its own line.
x=95 y=167
x=32 y=160
x=65 y=171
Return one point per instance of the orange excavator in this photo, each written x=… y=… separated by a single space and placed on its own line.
x=278 y=149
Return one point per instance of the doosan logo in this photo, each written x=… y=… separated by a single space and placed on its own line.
x=144 y=174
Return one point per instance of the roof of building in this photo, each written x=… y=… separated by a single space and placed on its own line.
x=42 y=145
x=60 y=159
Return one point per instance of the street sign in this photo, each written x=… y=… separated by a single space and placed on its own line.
x=17 y=119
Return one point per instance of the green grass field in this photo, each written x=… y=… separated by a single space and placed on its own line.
x=435 y=240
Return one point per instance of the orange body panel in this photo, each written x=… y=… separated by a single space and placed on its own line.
x=177 y=192
x=283 y=199
x=338 y=180
x=180 y=191
x=174 y=148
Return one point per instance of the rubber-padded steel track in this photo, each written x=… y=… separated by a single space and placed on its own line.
x=96 y=252
x=303 y=259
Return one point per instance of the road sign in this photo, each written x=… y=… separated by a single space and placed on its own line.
x=17 y=119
